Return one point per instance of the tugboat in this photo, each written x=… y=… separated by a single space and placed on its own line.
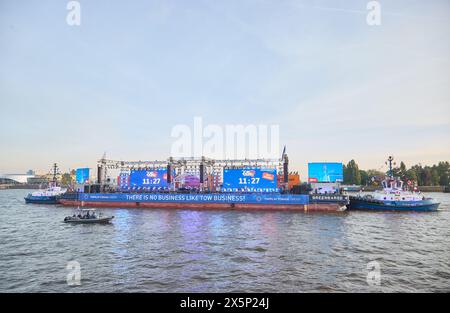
x=88 y=216
x=393 y=197
x=50 y=195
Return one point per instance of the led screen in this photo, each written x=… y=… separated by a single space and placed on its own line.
x=82 y=175
x=148 y=178
x=325 y=172
x=258 y=179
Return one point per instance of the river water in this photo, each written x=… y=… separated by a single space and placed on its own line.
x=147 y=250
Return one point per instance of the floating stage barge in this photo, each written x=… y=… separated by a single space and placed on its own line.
x=205 y=201
x=201 y=184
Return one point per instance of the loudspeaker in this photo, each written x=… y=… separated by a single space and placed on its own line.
x=285 y=172
x=99 y=175
x=169 y=173
x=202 y=169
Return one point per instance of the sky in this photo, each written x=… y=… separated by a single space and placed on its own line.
x=119 y=82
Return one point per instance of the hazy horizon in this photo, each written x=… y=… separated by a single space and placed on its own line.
x=118 y=83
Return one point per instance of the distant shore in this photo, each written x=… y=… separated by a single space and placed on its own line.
x=421 y=188
x=24 y=186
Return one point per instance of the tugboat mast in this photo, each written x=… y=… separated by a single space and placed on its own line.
x=55 y=172
x=390 y=159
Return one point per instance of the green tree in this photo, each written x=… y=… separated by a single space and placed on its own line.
x=411 y=174
x=66 y=179
x=443 y=169
x=402 y=169
x=365 y=179
x=417 y=170
x=425 y=176
x=434 y=177
x=422 y=175
x=352 y=174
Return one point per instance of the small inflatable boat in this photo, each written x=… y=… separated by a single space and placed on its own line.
x=88 y=216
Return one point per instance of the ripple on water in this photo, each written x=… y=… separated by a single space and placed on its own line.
x=188 y=251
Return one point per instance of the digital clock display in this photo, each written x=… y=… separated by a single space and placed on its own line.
x=258 y=179
x=148 y=178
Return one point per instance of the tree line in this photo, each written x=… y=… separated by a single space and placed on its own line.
x=435 y=175
x=68 y=179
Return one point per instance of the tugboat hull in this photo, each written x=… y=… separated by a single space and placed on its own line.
x=42 y=200
x=419 y=206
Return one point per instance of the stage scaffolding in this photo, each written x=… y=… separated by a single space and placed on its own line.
x=203 y=167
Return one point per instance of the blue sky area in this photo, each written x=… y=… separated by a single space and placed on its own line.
x=119 y=82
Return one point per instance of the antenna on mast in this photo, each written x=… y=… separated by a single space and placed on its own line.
x=55 y=173
x=390 y=159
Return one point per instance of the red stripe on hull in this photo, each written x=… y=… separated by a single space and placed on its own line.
x=312 y=207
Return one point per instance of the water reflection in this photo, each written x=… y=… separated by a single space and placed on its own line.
x=156 y=250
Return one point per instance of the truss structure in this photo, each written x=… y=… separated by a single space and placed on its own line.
x=189 y=166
